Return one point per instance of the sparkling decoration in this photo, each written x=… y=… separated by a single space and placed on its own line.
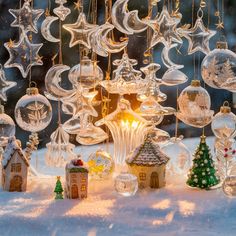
x=62 y=12
x=33 y=112
x=194 y=106
x=218 y=68
x=23 y=55
x=174 y=77
x=229 y=186
x=26 y=17
x=126 y=184
x=45 y=29
x=159 y=136
x=100 y=164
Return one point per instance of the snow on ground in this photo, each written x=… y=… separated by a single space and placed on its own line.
x=173 y=210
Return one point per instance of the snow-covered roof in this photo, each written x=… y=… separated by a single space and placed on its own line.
x=76 y=168
x=147 y=154
x=12 y=147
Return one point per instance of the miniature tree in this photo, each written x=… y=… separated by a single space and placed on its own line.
x=202 y=174
x=58 y=189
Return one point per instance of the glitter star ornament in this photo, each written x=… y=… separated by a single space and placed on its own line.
x=26 y=17
x=198 y=36
x=23 y=54
x=80 y=31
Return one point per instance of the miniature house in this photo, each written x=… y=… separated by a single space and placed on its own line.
x=14 y=167
x=148 y=164
x=76 y=180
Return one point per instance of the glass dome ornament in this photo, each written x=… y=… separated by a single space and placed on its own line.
x=100 y=164
x=126 y=80
x=224 y=123
x=126 y=184
x=59 y=150
x=62 y=12
x=219 y=68
x=23 y=54
x=80 y=31
x=194 y=106
x=127 y=128
x=33 y=112
x=174 y=77
x=159 y=136
x=229 y=186
x=45 y=29
x=87 y=74
x=198 y=36
x=26 y=17
x=180 y=157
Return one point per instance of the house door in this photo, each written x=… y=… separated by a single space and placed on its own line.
x=154 y=182
x=16 y=184
x=74 y=191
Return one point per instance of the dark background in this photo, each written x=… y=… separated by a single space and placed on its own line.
x=136 y=48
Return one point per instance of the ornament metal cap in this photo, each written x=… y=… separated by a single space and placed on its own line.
x=225 y=108
x=32 y=91
x=1 y=109
x=203 y=138
x=195 y=83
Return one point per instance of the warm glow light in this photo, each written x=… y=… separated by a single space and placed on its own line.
x=129 y=124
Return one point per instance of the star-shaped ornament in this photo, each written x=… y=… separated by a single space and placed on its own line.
x=198 y=36
x=26 y=17
x=164 y=29
x=80 y=31
x=23 y=55
x=4 y=85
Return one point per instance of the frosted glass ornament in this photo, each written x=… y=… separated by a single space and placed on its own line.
x=59 y=150
x=33 y=112
x=100 y=164
x=159 y=136
x=86 y=74
x=72 y=126
x=126 y=184
x=174 y=77
x=45 y=29
x=219 y=68
x=62 y=12
x=229 y=186
x=224 y=123
x=194 y=106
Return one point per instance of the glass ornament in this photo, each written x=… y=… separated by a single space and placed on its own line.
x=218 y=68
x=72 y=126
x=4 y=85
x=194 y=106
x=52 y=83
x=45 y=29
x=159 y=136
x=127 y=128
x=80 y=31
x=174 y=77
x=224 y=123
x=126 y=80
x=100 y=164
x=23 y=54
x=26 y=17
x=87 y=74
x=62 y=12
x=59 y=149
x=33 y=112
x=180 y=157
x=126 y=184
x=164 y=29
x=198 y=36
x=229 y=186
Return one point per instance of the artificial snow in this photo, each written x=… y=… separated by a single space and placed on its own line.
x=173 y=210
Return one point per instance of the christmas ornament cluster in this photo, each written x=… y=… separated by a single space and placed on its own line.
x=149 y=155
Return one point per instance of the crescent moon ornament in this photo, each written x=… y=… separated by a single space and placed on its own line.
x=45 y=29
x=165 y=57
x=53 y=77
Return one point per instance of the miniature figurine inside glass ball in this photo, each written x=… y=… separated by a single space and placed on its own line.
x=33 y=112
x=100 y=164
x=126 y=184
x=229 y=186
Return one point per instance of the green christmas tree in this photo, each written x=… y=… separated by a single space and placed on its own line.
x=202 y=174
x=58 y=189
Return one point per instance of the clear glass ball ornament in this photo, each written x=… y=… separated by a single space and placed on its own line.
x=229 y=186
x=87 y=74
x=126 y=184
x=219 y=68
x=224 y=123
x=100 y=164
x=33 y=112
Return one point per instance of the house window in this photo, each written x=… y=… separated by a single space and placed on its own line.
x=16 y=167
x=73 y=180
x=83 y=187
x=83 y=180
x=142 y=176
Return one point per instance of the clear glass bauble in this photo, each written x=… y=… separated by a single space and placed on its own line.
x=219 y=69
x=159 y=136
x=7 y=125
x=33 y=112
x=229 y=186
x=174 y=77
x=87 y=74
x=126 y=184
x=100 y=164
